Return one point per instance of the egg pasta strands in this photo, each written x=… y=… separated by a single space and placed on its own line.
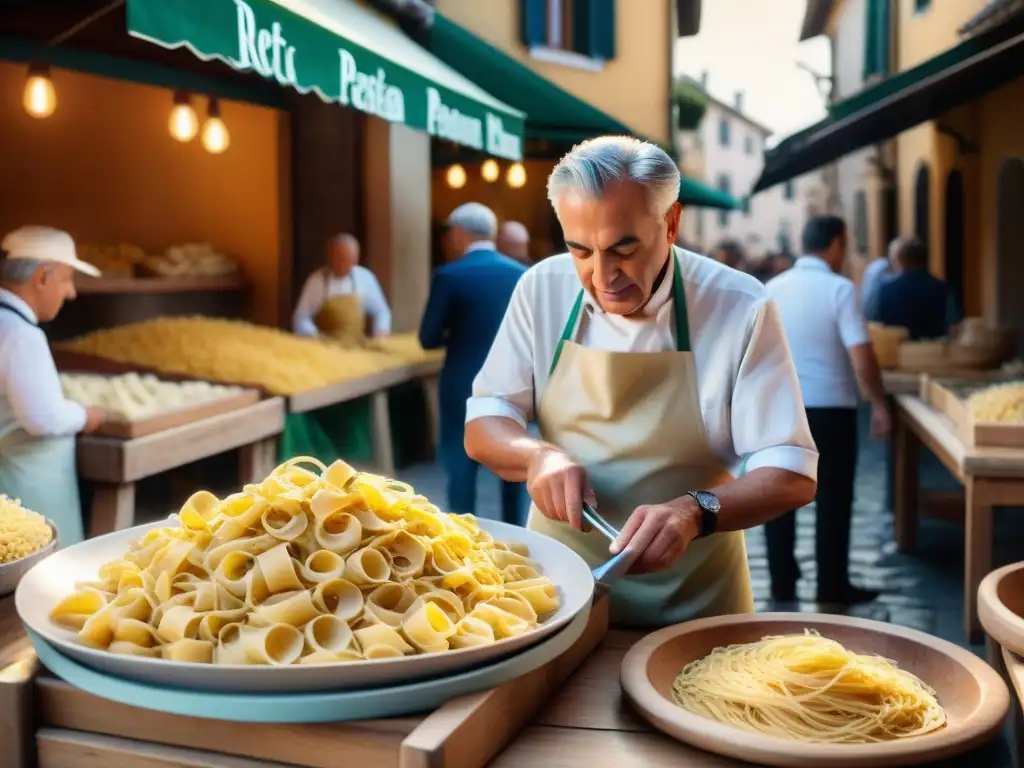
x=808 y=688
x=314 y=565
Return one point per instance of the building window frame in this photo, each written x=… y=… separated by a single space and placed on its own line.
x=789 y=190
x=748 y=144
x=579 y=34
x=724 y=185
x=922 y=6
x=724 y=132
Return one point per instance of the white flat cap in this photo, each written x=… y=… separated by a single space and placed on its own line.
x=45 y=244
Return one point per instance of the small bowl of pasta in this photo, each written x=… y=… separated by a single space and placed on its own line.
x=803 y=690
x=318 y=578
x=26 y=537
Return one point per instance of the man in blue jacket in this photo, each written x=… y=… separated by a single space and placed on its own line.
x=468 y=299
x=914 y=299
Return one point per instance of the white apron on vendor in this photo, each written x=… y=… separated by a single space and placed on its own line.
x=633 y=421
x=39 y=470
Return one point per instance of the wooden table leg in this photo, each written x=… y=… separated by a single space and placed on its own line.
x=17 y=737
x=383 y=452
x=257 y=460
x=432 y=392
x=977 y=552
x=906 y=459
x=113 y=508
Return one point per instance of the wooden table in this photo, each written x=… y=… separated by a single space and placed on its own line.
x=376 y=388
x=1011 y=667
x=991 y=477
x=114 y=465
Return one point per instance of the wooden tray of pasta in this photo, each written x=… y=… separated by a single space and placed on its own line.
x=950 y=397
x=77 y=729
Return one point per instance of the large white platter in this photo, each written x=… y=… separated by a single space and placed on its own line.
x=54 y=578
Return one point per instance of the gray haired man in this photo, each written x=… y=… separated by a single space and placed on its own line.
x=37 y=423
x=650 y=371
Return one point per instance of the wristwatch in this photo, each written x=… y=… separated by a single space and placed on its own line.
x=709 y=509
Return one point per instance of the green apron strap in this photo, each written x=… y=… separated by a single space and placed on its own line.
x=679 y=307
x=567 y=332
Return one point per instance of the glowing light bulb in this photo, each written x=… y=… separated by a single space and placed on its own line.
x=456 y=176
x=516 y=176
x=40 y=98
x=490 y=170
x=183 y=122
x=216 y=138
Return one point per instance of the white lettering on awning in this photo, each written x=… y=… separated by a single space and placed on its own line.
x=264 y=50
x=370 y=93
x=448 y=123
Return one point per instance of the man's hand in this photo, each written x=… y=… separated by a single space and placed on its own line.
x=881 y=422
x=558 y=486
x=94 y=418
x=660 y=532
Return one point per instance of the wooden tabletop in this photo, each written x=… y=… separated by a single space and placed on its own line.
x=114 y=460
x=939 y=433
x=344 y=391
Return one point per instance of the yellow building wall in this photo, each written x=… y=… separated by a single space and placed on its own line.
x=920 y=36
x=104 y=168
x=634 y=88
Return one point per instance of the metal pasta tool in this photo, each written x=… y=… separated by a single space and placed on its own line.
x=611 y=571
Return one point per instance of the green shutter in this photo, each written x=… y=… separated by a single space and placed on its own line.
x=533 y=22
x=594 y=28
x=876 y=52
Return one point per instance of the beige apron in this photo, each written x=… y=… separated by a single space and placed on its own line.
x=342 y=319
x=633 y=421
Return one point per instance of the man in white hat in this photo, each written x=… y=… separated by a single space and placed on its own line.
x=37 y=423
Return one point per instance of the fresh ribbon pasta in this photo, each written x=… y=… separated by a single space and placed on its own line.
x=808 y=688
x=309 y=567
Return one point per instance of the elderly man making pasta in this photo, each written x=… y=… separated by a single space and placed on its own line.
x=650 y=371
x=37 y=423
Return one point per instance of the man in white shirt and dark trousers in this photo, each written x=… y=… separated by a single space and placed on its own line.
x=37 y=423
x=829 y=341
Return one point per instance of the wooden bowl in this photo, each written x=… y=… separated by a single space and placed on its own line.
x=974 y=696
x=1001 y=606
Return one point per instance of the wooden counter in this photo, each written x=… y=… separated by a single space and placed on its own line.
x=114 y=465
x=992 y=477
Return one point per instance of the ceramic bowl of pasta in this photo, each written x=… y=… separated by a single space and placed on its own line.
x=807 y=690
x=1001 y=606
x=26 y=537
x=317 y=578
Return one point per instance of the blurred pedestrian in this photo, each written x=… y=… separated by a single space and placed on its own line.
x=730 y=253
x=468 y=299
x=913 y=298
x=514 y=241
x=831 y=349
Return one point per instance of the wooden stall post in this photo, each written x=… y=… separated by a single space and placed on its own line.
x=906 y=461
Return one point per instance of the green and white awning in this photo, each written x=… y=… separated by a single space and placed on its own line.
x=342 y=51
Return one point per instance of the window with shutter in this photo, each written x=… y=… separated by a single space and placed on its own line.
x=876 y=39
x=581 y=27
x=724 y=184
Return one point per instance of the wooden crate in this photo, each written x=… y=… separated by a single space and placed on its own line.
x=177 y=417
x=74 y=729
x=950 y=397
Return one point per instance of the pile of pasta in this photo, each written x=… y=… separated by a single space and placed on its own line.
x=1002 y=403
x=406 y=348
x=119 y=260
x=22 y=531
x=191 y=259
x=310 y=568
x=808 y=688
x=232 y=352
x=132 y=396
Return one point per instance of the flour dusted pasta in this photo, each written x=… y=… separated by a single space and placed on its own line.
x=310 y=568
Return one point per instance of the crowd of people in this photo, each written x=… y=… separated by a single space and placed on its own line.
x=685 y=398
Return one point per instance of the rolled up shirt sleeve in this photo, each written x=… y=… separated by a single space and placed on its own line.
x=314 y=292
x=769 y=424
x=504 y=386
x=33 y=389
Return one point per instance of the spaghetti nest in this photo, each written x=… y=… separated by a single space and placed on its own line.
x=808 y=688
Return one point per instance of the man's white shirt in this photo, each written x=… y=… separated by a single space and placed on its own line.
x=321 y=285
x=747 y=385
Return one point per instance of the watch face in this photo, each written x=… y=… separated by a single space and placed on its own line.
x=708 y=501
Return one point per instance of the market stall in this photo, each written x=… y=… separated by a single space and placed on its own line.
x=991 y=477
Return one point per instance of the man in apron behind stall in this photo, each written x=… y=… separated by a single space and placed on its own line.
x=337 y=299
x=37 y=423
x=650 y=370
